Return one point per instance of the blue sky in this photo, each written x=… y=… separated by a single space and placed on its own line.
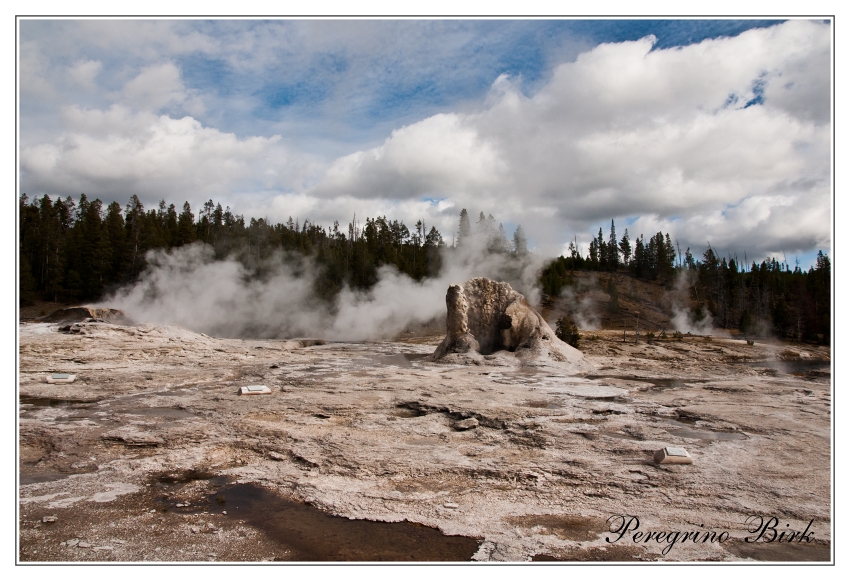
x=705 y=128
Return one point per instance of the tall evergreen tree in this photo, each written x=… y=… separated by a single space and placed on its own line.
x=613 y=254
x=134 y=215
x=520 y=241
x=185 y=226
x=464 y=228
x=481 y=225
x=626 y=248
x=602 y=250
x=499 y=242
x=116 y=235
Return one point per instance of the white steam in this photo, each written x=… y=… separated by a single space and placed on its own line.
x=684 y=319
x=221 y=298
x=580 y=306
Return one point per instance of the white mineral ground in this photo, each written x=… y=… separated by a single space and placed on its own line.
x=360 y=431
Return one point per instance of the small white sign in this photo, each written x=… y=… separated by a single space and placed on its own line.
x=254 y=390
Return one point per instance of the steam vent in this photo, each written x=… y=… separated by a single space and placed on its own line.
x=488 y=320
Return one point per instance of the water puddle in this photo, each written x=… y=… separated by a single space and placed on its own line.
x=781 y=551
x=178 y=492
x=28 y=402
x=687 y=430
x=312 y=535
x=43 y=477
x=159 y=412
x=608 y=553
x=170 y=393
x=803 y=367
x=596 y=392
x=171 y=478
x=406 y=412
x=656 y=382
x=621 y=436
x=313 y=369
x=546 y=405
x=399 y=359
x=79 y=409
x=565 y=527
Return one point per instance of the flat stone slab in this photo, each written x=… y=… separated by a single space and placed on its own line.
x=254 y=390
x=672 y=455
x=61 y=378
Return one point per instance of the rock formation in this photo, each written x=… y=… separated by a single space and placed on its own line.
x=488 y=319
x=80 y=314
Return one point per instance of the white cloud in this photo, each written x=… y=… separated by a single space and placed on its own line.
x=622 y=131
x=626 y=131
x=85 y=72
x=155 y=87
x=433 y=157
x=118 y=152
x=34 y=66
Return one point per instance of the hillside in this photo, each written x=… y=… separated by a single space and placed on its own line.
x=649 y=304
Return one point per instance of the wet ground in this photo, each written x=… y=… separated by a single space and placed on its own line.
x=361 y=453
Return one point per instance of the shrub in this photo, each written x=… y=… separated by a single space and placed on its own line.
x=567 y=332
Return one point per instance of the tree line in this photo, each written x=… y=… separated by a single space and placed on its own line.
x=78 y=250
x=757 y=299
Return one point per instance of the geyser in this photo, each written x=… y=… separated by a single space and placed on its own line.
x=485 y=318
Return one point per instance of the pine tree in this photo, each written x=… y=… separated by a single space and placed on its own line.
x=600 y=248
x=433 y=244
x=613 y=254
x=500 y=243
x=93 y=259
x=185 y=226
x=520 y=242
x=52 y=247
x=464 y=228
x=26 y=287
x=481 y=225
x=641 y=270
x=626 y=248
x=133 y=216
x=171 y=225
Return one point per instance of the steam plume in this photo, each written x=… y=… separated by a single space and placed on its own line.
x=188 y=287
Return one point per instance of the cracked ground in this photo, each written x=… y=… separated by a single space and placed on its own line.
x=366 y=451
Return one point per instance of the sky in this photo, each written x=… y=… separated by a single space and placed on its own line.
x=716 y=131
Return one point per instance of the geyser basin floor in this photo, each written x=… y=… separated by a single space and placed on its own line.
x=309 y=534
x=353 y=431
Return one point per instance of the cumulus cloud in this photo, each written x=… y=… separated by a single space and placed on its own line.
x=727 y=137
x=153 y=155
x=434 y=157
x=84 y=73
x=155 y=87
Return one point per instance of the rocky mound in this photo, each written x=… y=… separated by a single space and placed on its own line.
x=80 y=314
x=487 y=320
